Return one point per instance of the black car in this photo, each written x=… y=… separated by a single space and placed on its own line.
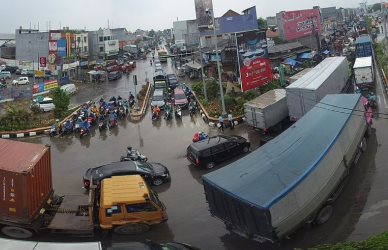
x=18 y=71
x=172 y=81
x=114 y=75
x=11 y=69
x=153 y=173
x=208 y=152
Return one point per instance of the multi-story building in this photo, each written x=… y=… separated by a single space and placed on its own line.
x=82 y=44
x=102 y=44
x=31 y=44
x=121 y=34
x=271 y=21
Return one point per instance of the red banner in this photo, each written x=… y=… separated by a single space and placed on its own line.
x=255 y=69
x=42 y=62
x=300 y=23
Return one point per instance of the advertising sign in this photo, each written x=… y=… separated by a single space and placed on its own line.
x=255 y=69
x=233 y=24
x=42 y=62
x=300 y=23
x=55 y=36
x=61 y=48
x=53 y=46
x=203 y=17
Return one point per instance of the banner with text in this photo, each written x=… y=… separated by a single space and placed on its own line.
x=255 y=69
x=300 y=23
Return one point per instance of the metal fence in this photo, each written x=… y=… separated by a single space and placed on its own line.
x=16 y=92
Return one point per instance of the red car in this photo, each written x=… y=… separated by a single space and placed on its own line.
x=180 y=98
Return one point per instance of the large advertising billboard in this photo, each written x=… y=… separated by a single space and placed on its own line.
x=204 y=18
x=255 y=69
x=233 y=24
x=300 y=23
x=61 y=48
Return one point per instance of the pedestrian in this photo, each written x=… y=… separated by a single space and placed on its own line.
x=221 y=122
x=230 y=119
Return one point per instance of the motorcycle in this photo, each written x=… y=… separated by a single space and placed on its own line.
x=167 y=114
x=102 y=124
x=178 y=112
x=199 y=136
x=53 y=130
x=112 y=123
x=131 y=103
x=192 y=109
x=372 y=100
x=84 y=132
x=122 y=113
x=155 y=116
x=133 y=155
x=67 y=129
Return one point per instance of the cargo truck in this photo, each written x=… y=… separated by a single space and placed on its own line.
x=122 y=204
x=267 y=112
x=328 y=77
x=364 y=46
x=364 y=74
x=293 y=179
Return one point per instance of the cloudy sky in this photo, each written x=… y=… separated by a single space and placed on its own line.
x=132 y=14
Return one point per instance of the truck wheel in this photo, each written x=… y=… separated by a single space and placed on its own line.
x=157 y=182
x=210 y=165
x=17 y=232
x=245 y=149
x=130 y=229
x=324 y=214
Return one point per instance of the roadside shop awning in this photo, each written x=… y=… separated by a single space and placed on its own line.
x=291 y=62
x=193 y=65
x=306 y=56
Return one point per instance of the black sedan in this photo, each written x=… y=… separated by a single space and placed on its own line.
x=153 y=173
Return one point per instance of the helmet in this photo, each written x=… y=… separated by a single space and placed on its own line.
x=57 y=120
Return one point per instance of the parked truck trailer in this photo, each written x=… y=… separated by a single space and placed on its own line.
x=364 y=74
x=293 y=179
x=328 y=77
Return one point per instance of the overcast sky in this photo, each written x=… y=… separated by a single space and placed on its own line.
x=133 y=14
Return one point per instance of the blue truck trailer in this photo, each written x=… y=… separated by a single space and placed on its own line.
x=294 y=178
x=364 y=46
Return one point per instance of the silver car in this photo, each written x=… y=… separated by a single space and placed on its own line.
x=158 y=98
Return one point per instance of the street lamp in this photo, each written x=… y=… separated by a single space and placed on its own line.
x=210 y=12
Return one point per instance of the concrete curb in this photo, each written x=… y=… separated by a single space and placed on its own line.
x=137 y=115
x=213 y=121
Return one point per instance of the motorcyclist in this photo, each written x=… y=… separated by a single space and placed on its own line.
x=126 y=105
x=168 y=110
x=68 y=126
x=95 y=110
x=192 y=105
x=113 y=100
x=78 y=123
x=85 y=111
x=86 y=126
x=156 y=111
x=112 y=116
x=131 y=99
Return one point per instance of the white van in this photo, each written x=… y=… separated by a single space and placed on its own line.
x=5 y=75
x=22 y=80
x=46 y=104
x=69 y=88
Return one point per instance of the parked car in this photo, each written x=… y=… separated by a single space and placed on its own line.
x=158 y=98
x=11 y=69
x=207 y=153
x=46 y=104
x=180 y=98
x=69 y=88
x=172 y=81
x=5 y=75
x=114 y=75
x=21 y=81
x=18 y=72
x=153 y=173
x=25 y=72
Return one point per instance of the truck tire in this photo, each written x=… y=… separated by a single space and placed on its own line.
x=324 y=214
x=245 y=149
x=210 y=165
x=130 y=229
x=363 y=144
x=17 y=232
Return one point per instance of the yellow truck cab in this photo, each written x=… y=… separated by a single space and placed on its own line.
x=128 y=205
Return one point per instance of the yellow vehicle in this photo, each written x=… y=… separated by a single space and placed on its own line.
x=163 y=55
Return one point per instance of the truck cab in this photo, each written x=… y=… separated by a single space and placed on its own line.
x=131 y=209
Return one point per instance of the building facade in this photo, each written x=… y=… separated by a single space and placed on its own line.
x=102 y=45
x=31 y=44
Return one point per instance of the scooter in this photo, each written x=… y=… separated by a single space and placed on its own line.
x=102 y=124
x=155 y=116
x=192 y=109
x=84 y=132
x=112 y=123
x=122 y=113
x=53 y=130
x=178 y=112
x=167 y=114
x=67 y=129
x=199 y=136
x=133 y=155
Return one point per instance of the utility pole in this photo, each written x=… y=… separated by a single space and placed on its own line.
x=218 y=65
x=203 y=75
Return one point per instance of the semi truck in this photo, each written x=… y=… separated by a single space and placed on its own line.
x=328 y=77
x=364 y=46
x=268 y=111
x=28 y=205
x=364 y=74
x=293 y=179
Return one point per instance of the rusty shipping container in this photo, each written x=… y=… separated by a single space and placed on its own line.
x=26 y=181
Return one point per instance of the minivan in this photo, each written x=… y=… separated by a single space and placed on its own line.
x=207 y=153
x=69 y=88
x=158 y=99
x=180 y=98
x=5 y=75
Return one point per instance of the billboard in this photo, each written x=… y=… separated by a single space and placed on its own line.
x=300 y=23
x=203 y=17
x=53 y=46
x=61 y=48
x=255 y=69
x=233 y=24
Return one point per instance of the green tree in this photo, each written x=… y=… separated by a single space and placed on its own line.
x=61 y=101
x=262 y=23
x=151 y=33
x=278 y=40
x=376 y=7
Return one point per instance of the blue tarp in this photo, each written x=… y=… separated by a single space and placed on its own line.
x=291 y=62
x=305 y=56
x=267 y=174
x=326 y=52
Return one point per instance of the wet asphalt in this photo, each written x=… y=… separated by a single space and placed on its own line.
x=361 y=209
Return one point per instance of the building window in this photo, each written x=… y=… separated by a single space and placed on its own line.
x=101 y=49
x=85 y=39
x=78 y=39
x=85 y=49
x=105 y=38
x=101 y=39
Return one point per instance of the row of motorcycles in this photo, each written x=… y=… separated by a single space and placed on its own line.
x=168 y=110
x=106 y=116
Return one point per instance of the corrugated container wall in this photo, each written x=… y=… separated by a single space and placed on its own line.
x=363 y=46
x=26 y=182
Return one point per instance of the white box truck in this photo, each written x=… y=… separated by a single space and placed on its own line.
x=364 y=75
x=328 y=77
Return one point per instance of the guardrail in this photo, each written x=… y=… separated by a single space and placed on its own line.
x=138 y=114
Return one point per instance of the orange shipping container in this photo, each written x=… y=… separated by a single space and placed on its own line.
x=26 y=182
